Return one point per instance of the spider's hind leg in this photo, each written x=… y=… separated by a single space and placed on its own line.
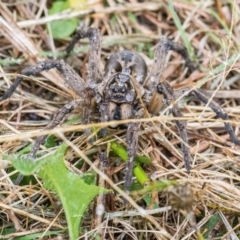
x=58 y=118
x=166 y=90
x=203 y=97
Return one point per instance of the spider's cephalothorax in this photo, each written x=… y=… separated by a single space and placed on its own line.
x=119 y=98
x=117 y=95
x=124 y=91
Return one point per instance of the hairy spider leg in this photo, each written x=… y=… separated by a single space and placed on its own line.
x=58 y=118
x=70 y=76
x=94 y=75
x=160 y=88
x=72 y=79
x=202 y=96
x=166 y=90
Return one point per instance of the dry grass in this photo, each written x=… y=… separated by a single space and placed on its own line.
x=213 y=33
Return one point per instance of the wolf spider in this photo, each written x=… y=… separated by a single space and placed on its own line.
x=123 y=91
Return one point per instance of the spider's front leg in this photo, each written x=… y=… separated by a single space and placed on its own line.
x=160 y=55
x=70 y=76
x=84 y=89
x=132 y=143
x=93 y=34
x=94 y=73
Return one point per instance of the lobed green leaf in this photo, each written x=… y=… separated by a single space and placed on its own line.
x=74 y=193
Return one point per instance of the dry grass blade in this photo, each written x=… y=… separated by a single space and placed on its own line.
x=229 y=228
x=11 y=31
x=210 y=29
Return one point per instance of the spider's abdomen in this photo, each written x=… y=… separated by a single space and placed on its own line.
x=123 y=60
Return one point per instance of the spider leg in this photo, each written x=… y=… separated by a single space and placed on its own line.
x=104 y=117
x=94 y=75
x=166 y=90
x=161 y=50
x=132 y=143
x=86 y=110
x=203 y=97
x=70 y=76
x=58 y=118
x=11 y=90
x=181 y=125
x=160 y=92
x=94 y=37
x=180 y=49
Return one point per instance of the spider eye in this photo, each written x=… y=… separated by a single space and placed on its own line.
x=160 y=88
x=98 y=98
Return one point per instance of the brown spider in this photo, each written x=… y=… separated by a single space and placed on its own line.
x=124 y=91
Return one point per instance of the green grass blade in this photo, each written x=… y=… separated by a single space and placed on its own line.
x=178 y=24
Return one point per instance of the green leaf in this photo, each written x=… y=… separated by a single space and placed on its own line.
x=141 y=175
x=121 y=152
x=142 y=159
x=25 y=150
x=74 y=193
x=89 y=177
x=6 y=231
x=24 y=165
x=212 y=222
x=50 y=142
x=58 y=6
x=62 y=28
x=148 y=199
